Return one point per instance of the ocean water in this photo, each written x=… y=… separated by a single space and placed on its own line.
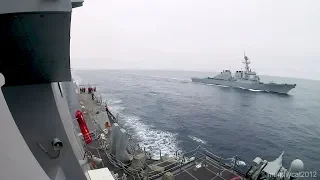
x=165 y=110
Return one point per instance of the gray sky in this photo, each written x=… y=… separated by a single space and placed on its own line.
x=281 y=37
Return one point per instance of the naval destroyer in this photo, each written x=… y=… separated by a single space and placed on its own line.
x=246 y=79
x=40 y=136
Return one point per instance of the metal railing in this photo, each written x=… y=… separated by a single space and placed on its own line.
x=79 y=140
x=196 y=155
x=88 y=153
x=181 y=161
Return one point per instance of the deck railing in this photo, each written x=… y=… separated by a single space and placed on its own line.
x=181 y=160
x=202 y=155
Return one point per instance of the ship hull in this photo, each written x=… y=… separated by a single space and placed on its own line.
x=276 y=88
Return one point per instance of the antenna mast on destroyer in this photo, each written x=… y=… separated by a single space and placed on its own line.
x=246 y=62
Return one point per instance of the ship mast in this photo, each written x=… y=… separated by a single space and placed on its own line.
x=246 y=62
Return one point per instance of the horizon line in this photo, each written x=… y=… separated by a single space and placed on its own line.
x=132 y=69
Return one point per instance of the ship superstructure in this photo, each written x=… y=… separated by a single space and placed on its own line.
x=246 y=79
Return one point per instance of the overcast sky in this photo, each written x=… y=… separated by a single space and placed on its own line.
x=281 y=37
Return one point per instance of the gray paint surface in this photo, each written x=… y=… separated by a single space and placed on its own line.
x=60 y=175
x=277 y=88
x=32 y=114
x=16 y=159
x=72 y=103
x=70 y=94
x=41 y=114
x=13 y=6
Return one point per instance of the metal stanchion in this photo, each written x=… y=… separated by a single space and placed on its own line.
x=235 y=162
x=220 y=169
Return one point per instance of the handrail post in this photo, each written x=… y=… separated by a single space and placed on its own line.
x=220 y=168
x=205 y=158
x=182 y=161
x=235 y=163
x=196 y=154
x=148 y=172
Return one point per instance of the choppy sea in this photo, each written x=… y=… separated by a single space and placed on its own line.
x=165 y=110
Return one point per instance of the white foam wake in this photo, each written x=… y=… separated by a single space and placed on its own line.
x=197 y=139
x=217 y=85
x=115 y=101
x=114 y=105
x=153 y=140
x=221 y=85
x=255 y=90
x=115 y=109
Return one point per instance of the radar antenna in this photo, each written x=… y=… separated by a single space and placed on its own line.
x=246 y=62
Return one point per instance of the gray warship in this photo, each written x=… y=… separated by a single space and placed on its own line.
x=246 y=79
x=40 y=135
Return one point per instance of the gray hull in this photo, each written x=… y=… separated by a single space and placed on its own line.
x=277 y=88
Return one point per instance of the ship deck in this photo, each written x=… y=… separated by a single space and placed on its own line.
x=204 y=167
x=208 y=170
x=91 y=107
x=85 y=100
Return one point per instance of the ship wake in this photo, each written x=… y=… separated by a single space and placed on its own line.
x=197 y=139
x=217 y=85
x=253 y=90
x=151 y=139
